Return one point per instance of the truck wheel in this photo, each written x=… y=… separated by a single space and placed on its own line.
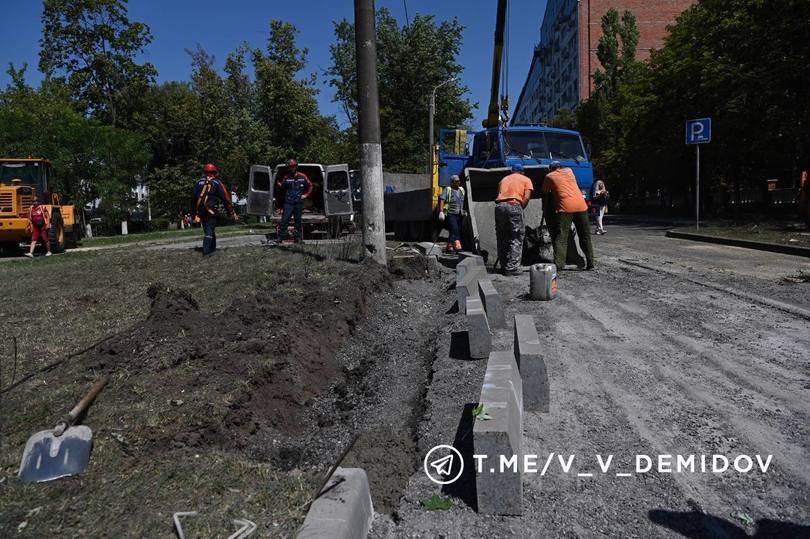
x=56 y=234
x=333 y=228
x=72 y=237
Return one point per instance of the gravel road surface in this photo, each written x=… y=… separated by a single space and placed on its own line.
x=644 y=362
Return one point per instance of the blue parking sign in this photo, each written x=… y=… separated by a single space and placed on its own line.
x=699 y=131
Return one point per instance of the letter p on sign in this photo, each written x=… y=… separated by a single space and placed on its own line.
x=699 y=131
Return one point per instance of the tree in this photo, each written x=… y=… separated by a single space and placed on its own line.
x=91 y=159
x=411 y=61
x=752 y=87
x=616 y=49
x=93 y=45
x=601 y=118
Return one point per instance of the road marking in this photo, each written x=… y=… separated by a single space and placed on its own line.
x=584 y=474
x=623 y=474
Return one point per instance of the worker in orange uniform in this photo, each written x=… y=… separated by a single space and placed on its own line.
x=570 y=207
x=514 y=193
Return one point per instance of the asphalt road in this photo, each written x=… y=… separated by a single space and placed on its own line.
x=648 y=361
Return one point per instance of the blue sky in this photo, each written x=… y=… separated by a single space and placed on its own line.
x=221 y=26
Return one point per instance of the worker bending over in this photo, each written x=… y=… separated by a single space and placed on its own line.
x=514 y=193
x=296 y=188
x=210 y=193
x=568 y=205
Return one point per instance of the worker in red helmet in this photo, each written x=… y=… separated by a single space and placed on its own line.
x=295 y=187
x=210 y=194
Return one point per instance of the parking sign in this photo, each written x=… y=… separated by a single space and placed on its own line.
x=699 y=131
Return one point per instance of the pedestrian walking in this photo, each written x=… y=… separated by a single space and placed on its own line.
x=570 y=207
x=600 y=200
x=804 y=197
x=39 y=225
x=514 y=193
x=295 y=187
x=210 y=193
x=451 y=211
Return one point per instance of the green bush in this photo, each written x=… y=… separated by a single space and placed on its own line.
x=159 y=224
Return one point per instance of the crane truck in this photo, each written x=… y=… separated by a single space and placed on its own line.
x=483 y=158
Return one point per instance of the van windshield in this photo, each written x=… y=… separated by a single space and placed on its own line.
x=543 y=145
x=27 y=172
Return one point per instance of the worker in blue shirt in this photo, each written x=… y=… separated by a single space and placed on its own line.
x=209 y=193
x=295 y=187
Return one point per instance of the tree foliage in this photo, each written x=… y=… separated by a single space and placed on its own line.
x=741 y=62
x=91 y=159
x=411 y=61
x=93 y=44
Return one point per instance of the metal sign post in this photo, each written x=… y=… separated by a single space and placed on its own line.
x=697 y=187
x=698 y=132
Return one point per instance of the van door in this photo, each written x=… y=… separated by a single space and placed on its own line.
x=337 y=191
x=260 y=191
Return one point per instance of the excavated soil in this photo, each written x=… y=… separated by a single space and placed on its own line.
x=235 y=387
x=280 y=348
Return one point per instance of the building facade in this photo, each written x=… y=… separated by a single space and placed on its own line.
x=564 y=61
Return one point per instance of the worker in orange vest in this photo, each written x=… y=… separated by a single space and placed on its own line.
x=570 y=207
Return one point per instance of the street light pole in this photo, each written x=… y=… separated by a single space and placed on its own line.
x=430 y=122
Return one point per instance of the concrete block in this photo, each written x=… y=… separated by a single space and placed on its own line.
x=531 y=364
x=469 y=265
x=499 y=483
x=343 y=510
x=464 y=255
x=478 y=329
x=428 y=248
x=502 y=369
x=493 y=303
x=468 y=286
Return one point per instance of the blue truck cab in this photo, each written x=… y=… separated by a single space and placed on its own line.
x=482 y=160
x=497 y=149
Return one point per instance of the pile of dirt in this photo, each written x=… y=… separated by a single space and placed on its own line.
x=253 y=367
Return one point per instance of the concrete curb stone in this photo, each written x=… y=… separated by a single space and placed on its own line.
x=493 y=303
x=531 y=364
x=478 y=333
x=748 y=244
x=467 y=286
x=343 y=510
x=428 y=248
x=500 y=491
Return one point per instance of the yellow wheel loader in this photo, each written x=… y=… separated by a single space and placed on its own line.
x=21 y=181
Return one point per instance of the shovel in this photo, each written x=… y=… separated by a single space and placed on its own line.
x=63 y=451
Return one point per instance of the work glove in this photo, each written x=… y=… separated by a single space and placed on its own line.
x=441 y=216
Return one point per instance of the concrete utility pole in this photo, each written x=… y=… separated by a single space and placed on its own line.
x=368 y=116
x=431 y=113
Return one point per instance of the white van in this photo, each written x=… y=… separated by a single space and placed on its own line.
x=328 y=210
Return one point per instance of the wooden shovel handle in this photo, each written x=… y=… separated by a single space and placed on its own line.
x=85 y=402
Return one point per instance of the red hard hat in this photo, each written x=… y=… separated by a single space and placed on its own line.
x=292 y=163
x=210 y=167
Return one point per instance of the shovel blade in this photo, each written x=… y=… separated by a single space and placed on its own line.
x=48 y=457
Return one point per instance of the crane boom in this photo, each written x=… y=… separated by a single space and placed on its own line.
x=493 y=116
